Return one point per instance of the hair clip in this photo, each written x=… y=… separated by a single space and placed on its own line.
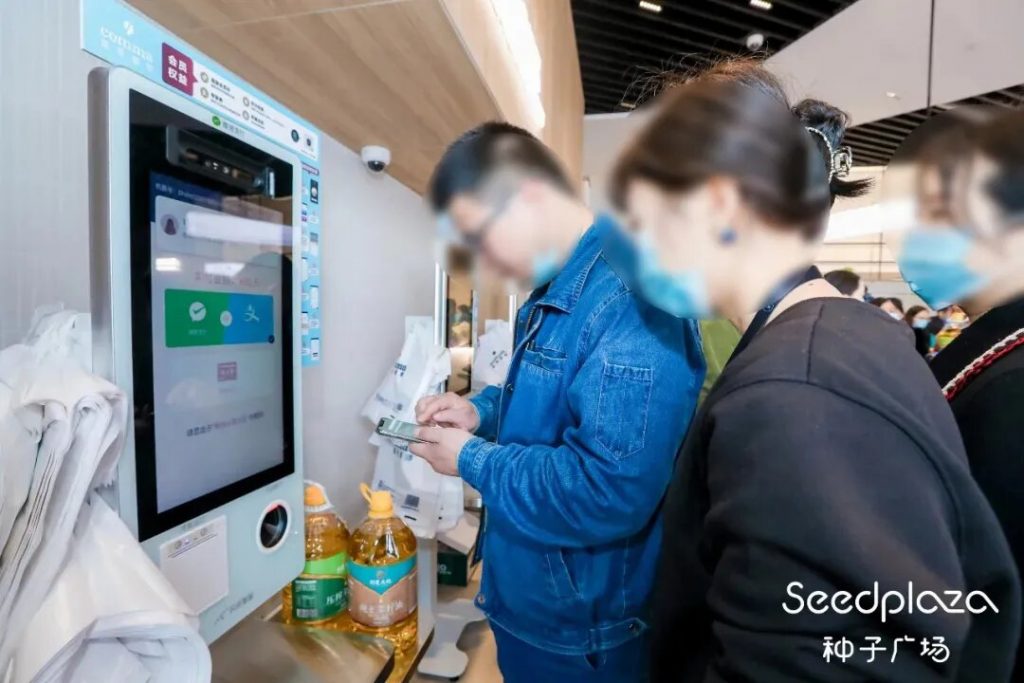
x=840 y=160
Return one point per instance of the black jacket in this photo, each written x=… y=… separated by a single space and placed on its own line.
x=990 y=412
x=826 y=455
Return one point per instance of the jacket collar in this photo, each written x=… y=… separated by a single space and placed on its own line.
x=978 y=338
x=564 y=291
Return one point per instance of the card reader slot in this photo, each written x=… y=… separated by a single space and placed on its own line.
x=194 y=153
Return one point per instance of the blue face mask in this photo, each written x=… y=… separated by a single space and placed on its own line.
x=921 y=323
x=545 y=267
x=934 y=263
x=683 y=295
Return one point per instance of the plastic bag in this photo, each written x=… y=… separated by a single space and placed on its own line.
x=493 y=355
x=421 y=368
x=425 y=500
x=110 y=615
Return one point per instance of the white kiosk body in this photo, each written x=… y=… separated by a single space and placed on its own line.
x=195 y=223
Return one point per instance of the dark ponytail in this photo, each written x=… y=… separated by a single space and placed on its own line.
x=830 y=122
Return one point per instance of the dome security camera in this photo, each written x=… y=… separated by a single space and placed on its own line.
x=755 y=41
x=376 y=158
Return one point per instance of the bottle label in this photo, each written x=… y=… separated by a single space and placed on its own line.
x=382 y=595
x=321 y=591
x=327 y=566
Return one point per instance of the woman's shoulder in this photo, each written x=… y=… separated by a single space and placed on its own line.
x=847 y=348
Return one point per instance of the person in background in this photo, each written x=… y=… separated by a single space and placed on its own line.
x=794 y=477
x=573 y=453
x=929 y=348
x=719 y=338
x=848 y=283
x=972 y=254
x=920 y=318
x=954 y=320
x=892 y=306
x=917 y=316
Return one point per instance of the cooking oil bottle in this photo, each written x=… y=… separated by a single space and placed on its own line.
x=382 y=574
x=320 y=592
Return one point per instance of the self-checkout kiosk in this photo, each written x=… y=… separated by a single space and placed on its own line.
x=195 y=233
x=204 y=198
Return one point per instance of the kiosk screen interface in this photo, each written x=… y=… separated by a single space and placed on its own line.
x=211 y=299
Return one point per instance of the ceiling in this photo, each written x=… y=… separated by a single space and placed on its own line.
x=622 y=47
x=874 y=143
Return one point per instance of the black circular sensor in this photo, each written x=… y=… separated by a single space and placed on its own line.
x=273 y=526
x=295 y=135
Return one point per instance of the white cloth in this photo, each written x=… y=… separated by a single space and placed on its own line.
x=79 y=599
x=111 y=616
x=83 y=424
x=21 y=428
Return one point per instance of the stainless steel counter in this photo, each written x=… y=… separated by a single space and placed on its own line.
x=260 y=651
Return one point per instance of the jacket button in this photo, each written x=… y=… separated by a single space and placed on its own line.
x=480 y=600
x=509 y=387
x=634 y=627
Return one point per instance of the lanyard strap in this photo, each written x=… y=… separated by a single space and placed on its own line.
x=780 y=292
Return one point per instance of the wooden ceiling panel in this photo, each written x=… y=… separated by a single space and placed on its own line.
x=387 y=73
x=187 y=15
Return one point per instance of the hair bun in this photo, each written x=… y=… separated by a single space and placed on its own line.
x=830 y=122
x=823 y=116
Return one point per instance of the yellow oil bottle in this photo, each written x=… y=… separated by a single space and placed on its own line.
x=382 y=574
x=320 y=593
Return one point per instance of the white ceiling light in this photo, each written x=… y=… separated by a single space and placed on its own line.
x=514 y=19
x=627 y=105
x=650 y=6
x=761 y=4
x=891 y=95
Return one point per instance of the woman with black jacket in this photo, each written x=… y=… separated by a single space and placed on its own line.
x=978 y=263
x=818 y=472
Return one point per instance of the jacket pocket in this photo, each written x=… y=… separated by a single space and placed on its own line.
x=563 y=582
x=622 y=408
x=549 y=360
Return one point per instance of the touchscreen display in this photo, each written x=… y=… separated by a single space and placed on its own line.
x=217 y=365
x=211 y=299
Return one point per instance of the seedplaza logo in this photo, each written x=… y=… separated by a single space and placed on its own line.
x=888 y=603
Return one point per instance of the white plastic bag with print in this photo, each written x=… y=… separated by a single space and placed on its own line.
x=420 y=370
x=493 y=355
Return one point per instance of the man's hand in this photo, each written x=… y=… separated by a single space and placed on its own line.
x=443 y=450
x=448 y=410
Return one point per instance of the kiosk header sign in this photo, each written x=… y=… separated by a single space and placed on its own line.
x=122 y=36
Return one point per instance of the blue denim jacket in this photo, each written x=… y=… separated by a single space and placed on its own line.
x=574 y=453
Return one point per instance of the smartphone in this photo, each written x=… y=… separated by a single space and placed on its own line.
x=396 y=429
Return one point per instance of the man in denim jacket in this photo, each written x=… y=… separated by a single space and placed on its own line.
x=573 y=453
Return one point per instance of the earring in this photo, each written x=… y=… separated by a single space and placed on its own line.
x=727 y=236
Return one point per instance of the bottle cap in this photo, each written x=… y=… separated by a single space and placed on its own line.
x=381 y=505
x=315 y=497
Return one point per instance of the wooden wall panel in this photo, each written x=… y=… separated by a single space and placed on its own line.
x=562 y=86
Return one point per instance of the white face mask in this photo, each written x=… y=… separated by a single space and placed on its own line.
x=896 y=315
